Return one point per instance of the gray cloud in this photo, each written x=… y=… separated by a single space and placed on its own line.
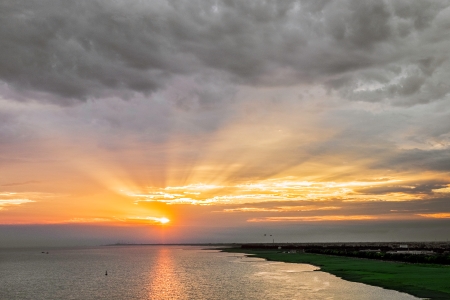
x=417 y=160
x=407 y=188
x=65 y=51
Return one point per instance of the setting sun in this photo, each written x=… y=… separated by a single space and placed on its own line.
x=164 y=220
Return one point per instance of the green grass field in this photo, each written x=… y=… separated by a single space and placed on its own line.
x=424 y=281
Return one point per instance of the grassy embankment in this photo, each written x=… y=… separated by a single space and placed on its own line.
x=420 y=280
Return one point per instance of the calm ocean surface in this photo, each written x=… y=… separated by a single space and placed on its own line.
x=167 y=272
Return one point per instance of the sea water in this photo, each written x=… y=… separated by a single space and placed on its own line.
x=167 y=272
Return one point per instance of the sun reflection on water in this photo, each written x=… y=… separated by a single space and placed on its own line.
x=164 y=281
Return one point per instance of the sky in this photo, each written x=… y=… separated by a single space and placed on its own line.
x=224 y=121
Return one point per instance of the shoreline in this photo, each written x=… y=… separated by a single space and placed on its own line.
x=423 y=281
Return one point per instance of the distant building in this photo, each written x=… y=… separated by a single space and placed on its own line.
x=289 y=251
x=414 y=252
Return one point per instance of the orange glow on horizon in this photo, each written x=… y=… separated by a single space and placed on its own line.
x=126 y=204
x=227 y=182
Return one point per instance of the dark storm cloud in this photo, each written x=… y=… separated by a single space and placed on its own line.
x=364 y=50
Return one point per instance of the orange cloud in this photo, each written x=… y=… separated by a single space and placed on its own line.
x=276 y=189
x=148 y=220
x=313 y=219
x=442 y=190
x=90 y=220
x=282 y=208
x=9 y=202
x=436 y=215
